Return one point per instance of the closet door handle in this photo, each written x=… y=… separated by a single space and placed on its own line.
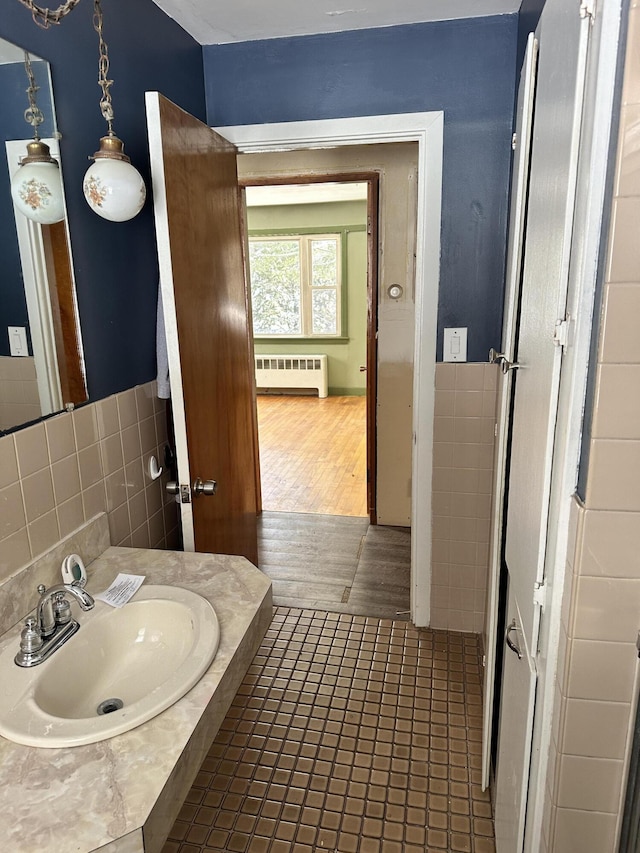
x=500 y=358
x=506 y=365
x=512 y=645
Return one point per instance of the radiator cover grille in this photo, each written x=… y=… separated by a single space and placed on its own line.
x=292 y=371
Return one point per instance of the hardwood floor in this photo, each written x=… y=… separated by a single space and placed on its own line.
x=314 y=537
x=313 y=454
x=334 y=563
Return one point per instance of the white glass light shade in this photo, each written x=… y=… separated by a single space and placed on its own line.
x=36 y=190
x=114 y=189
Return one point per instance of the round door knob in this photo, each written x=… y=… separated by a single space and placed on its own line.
x=204 y=487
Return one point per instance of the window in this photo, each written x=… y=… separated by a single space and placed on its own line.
x=296 y=285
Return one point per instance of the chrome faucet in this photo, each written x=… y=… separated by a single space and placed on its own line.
x=52 y=625
x=51 y=607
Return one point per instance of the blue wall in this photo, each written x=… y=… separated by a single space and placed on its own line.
x=13 y=102
x=115 y=263
x=464 y=67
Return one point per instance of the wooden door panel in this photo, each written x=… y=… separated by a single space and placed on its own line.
x=204 y=258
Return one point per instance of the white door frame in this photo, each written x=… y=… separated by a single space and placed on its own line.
x=427 y=130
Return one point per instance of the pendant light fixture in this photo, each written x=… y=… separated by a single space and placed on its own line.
x=113 y=188
x=36 y=188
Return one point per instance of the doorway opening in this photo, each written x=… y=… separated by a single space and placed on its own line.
x=337 y=137
x=312 y=253
x=348 y=564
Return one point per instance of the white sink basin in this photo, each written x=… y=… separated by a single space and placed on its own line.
x=123 y=667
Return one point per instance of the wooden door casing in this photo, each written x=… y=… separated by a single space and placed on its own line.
x=372 y=180
x=372 y=342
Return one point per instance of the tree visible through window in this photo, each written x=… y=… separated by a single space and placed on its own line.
x=296 y=285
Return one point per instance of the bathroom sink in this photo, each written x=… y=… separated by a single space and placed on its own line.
x=123 y=667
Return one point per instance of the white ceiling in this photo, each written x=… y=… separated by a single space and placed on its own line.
x=223 y=21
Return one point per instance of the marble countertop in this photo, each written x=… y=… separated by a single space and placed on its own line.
x=122 y=795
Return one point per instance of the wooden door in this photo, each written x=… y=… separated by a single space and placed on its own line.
x=209 y=338
x=517 y=216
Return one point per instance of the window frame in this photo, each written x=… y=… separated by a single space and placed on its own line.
x=306 y=236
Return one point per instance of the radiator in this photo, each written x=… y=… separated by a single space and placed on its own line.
x=292 y=371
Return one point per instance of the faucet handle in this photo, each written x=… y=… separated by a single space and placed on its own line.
x=61 y=609
x=41 y=589
x=30 y=638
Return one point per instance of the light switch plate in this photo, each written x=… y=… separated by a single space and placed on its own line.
x=18 y=340
x=455 y=344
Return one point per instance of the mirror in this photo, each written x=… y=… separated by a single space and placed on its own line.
x=41 y=363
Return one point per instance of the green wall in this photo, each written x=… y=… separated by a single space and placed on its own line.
x=345 y=356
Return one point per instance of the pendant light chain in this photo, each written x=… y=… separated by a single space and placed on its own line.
x=33 y=114
x=43 y=17
x=106 y=107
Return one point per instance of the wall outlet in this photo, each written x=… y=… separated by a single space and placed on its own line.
x=455 y=345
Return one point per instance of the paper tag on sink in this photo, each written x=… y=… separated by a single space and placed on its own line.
x=122 y=590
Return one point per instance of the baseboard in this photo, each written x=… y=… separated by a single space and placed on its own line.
x=347 y=392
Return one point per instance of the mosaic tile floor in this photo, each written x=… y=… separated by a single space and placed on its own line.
x=349 y=734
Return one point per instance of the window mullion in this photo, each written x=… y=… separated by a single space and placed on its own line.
x=305 y=285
